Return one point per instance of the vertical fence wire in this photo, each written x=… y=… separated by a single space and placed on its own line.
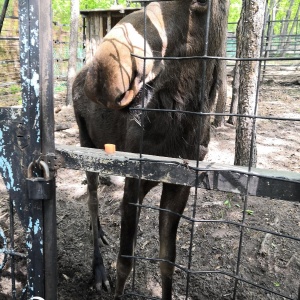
x=138 y=208
x=202 y=99
x=12 y=243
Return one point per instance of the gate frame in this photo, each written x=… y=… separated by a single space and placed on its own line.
x=27 y=138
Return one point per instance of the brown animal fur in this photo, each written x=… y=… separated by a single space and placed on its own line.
x=114 y=80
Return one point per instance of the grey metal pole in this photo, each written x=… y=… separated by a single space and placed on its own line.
x=48 y=147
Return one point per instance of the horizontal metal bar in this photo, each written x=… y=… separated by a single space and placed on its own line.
x=270 y=118
x=204 y=57
x=8 y=38
x=263 y=183
x=6 y=84
x=272 y=21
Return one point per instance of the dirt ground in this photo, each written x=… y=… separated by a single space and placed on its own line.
x=268 y=261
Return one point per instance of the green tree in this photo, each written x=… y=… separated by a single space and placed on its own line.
x=62 y=8
x=61 y=11
x=234 y=14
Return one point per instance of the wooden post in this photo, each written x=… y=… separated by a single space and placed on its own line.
x=72 y=49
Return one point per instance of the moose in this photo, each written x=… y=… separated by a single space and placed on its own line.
x=109 y=92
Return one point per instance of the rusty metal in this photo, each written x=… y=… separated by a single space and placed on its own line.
x=25 y=134
x=40 y=187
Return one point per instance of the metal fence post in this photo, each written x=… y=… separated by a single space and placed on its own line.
x=48 y=146
x=35 y=22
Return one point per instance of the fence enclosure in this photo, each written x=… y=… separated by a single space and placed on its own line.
x=29 y=158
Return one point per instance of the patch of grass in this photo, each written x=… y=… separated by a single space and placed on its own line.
x=60 y=88
x=20 y=100
x=227 y=203
x=10 y=90
x=14 y=89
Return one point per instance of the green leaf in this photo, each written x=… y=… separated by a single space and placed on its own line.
x=249 y=212
x=277 y=284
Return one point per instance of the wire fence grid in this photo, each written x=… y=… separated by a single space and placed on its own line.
x=243 y=284
x=233 y=276
x=275 y=45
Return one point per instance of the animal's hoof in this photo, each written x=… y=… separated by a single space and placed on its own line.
x=106 y=286
x=103 y=286
x=101 y=280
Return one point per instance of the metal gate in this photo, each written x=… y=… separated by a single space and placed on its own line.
x=28 y=159
x=27 y=155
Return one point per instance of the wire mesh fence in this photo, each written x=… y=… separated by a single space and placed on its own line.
x=229 y=247
x=61 y=51
x=275 y=45
x=243 y=245
x=9 y=56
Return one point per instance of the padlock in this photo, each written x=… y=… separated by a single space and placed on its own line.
x=39 y=188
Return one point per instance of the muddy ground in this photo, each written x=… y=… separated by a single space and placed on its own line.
x=268 y=261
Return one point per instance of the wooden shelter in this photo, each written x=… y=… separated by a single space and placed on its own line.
x=97 y=22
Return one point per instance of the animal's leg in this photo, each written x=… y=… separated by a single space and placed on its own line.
x=97 y=232
x=129 y=218
x=174 y=198
x=92 y=186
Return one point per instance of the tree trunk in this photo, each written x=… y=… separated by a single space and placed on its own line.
x=236 y=74
x=235 y=93
x=284 y=29
x=73 y=49
x=268 y=43
x=222 y=91
x=272 y=10
x=253 y=12
x=222 y=96
x=3 y=13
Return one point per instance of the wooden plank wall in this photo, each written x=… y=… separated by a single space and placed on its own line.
x=9 y=62
x=98 y=23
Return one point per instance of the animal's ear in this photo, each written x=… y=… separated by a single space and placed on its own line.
x=199 y=6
